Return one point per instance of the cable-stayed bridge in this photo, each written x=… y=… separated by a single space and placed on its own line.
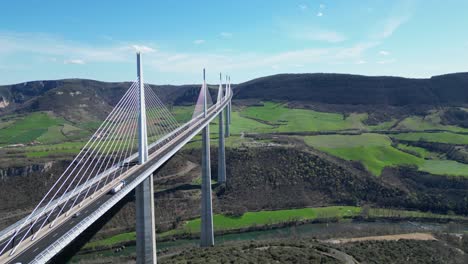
x=138 y=136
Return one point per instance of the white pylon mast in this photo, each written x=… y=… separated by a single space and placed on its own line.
x=142 y=132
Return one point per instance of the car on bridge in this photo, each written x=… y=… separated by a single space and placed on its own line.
x=118 y=187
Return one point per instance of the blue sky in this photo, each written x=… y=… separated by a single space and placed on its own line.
x=45 y=39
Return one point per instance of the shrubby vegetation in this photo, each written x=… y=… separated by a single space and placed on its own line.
x=278 y=178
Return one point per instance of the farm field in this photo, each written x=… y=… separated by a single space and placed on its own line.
x=376 y=152
x=420 y=152
x=261 y=218
x=283 y=119
x=373 y=150
x=39 y=127
x=440 y=137
x=432 y=121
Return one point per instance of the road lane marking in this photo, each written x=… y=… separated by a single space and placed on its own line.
x=55 y=235
x=35 y=250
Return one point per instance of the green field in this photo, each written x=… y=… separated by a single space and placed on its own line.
x=431 y=121
x=39 y=127
x=183 y=113
x=130 y=236
x=441 y=137
x=283 y=119
x=373 y=150
x=29 y=128
x=222 y=222
x=376 y=152
x=445 y=167
x=421 y=152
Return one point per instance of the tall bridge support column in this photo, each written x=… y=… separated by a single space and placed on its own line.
x=230 y=105
x=145 y=222
x=226 y=111
x=229 y=112
x=207 y=236
x=221 y=152
x=221 y=148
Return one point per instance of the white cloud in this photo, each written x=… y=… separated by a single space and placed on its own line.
x=361 y=62
x=387 y=61
x=74 y=61
x=183 y=63
x=198 y=41
x=232 y=62
x=303 y=7
x=143 y=49
x=317 y=34
x=329 y=36
x=226 y=34
x=319 y=14
x=391 y=25
x=384 y=53
x=53 y=46
x=355 y=51
x=322 y=6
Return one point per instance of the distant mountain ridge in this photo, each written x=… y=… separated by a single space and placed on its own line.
x=80 y=99
x=450 y=89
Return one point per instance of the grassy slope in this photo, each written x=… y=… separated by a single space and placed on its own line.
x=421 y=152
x=373 y=150
x=29 y=128
x=285 y=119
x=431 y=121
x=441 y=137
x=39 y=127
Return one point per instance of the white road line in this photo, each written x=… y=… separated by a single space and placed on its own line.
x=55 y=235
x=35 y=250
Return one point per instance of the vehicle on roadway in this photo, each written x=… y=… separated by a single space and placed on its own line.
x=118 y=187
x=129 y=164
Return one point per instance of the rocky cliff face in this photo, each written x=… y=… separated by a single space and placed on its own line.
x=3 y=102
x=26 y=170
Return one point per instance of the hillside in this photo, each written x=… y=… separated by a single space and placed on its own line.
x=79 y=99
x=349 y=89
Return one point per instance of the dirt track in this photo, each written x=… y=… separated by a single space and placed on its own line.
x=411 y=236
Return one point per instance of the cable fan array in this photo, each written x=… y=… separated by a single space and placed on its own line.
x=104 y=160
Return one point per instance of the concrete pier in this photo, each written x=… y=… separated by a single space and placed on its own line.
x=145 y=223
x=221 y=152
x=207 y=236
x=226 y=123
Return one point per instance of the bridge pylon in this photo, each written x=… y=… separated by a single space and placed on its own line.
x=145 y=221
x=221 y=147
x=230 y=91
x=227 y=112
x=207 y=234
